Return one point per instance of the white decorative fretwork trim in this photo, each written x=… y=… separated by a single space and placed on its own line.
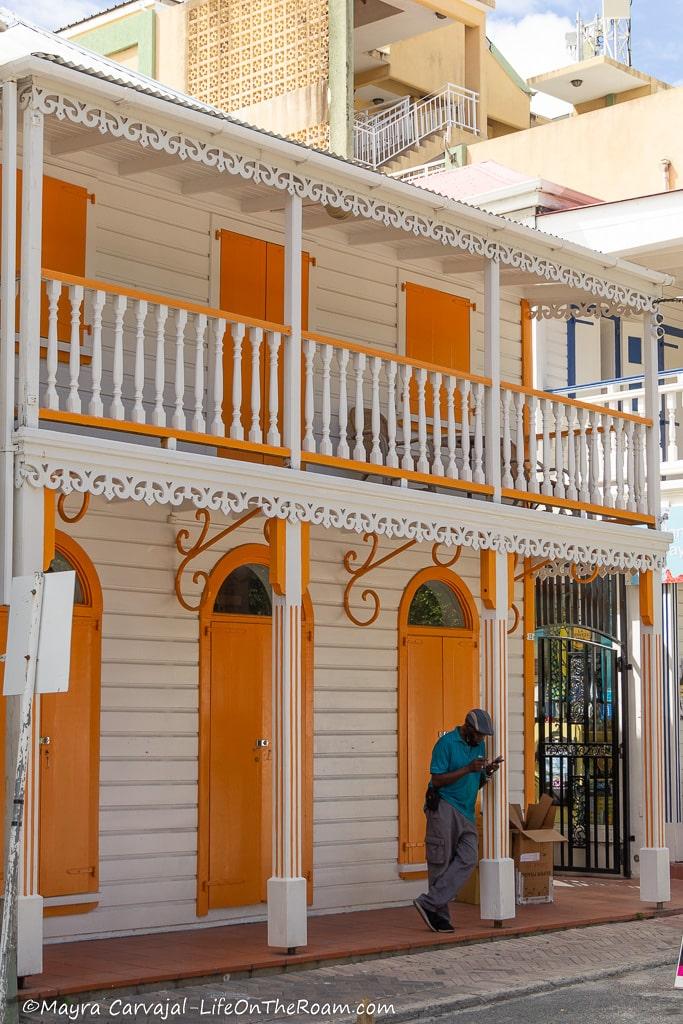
x=77 y=464
x=293 y=182
x=578 y=310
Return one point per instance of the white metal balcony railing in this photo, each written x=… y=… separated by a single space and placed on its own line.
x=627 y=394
x=117 y=359
x=381 y=137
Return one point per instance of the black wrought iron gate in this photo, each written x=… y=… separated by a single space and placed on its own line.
x=580 y=723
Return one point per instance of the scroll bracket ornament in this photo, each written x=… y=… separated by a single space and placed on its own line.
x=191 y=551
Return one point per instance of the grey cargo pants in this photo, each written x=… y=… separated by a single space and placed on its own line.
x=452 y=854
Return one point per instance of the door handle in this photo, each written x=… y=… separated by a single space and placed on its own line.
x=262 y=743
x=44 y=741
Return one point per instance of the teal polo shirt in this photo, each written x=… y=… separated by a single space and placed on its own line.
x=450 y=753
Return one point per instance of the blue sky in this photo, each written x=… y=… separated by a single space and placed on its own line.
x=529 y=32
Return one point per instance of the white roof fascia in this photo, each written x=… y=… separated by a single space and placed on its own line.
x=634 y=225
x=333 y=169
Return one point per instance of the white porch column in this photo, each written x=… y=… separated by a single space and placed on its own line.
x=29 y=519
x=652 y=411
x=655 y=885
x=292 y=310
x=492 y=370
x=496 y=869
x=31 y=246
x=287 y=925
x=7 y=330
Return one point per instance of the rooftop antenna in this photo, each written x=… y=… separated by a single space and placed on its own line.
x=607 y=35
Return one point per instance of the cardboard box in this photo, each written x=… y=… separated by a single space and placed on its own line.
x=533 y=843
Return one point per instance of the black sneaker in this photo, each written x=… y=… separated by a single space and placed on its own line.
x=437 y=922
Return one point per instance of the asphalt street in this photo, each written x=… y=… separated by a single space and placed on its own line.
x=640 y=997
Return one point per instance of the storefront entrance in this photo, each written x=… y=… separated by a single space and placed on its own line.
x=581 y=711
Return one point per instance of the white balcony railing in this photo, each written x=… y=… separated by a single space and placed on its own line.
x=381 y=137
x=627 y=394
x=115 y=359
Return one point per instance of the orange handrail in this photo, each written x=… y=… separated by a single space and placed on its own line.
x=548 y=395
x=393 y=357
x=162 y=300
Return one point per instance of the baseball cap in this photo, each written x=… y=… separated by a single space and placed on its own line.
x=480 y=720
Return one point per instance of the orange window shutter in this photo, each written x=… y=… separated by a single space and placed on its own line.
x=437 y=327
x=65 y=214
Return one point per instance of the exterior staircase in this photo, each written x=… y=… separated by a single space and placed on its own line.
x=381 y=137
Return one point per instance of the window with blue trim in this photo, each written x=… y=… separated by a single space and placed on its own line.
x=635 y=349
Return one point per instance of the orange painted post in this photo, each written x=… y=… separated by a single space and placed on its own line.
x=655 y=885
x=496 y=869
x=50 y=498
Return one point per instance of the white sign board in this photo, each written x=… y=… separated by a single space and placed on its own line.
x=41 y=610
x=616 y=9
x=54 y=641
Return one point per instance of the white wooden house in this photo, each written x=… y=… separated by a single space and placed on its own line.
x=276 y=410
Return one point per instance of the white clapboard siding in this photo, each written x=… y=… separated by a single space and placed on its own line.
x=148 y=804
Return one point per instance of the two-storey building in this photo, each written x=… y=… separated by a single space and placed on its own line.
x=276 y=411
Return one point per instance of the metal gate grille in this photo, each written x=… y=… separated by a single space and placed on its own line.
x=580 y=715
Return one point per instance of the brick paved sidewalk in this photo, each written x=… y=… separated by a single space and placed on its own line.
x=417 y=985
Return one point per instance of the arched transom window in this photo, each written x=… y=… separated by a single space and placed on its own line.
x=436 y=604
x=60 y=563
x=246 y=591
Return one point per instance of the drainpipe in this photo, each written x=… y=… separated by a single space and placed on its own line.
x=340 y=88
x=665 y=164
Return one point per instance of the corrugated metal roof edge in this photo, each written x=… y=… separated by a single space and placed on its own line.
x=152 y=89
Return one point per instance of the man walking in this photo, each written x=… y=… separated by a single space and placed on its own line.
x=459 y=769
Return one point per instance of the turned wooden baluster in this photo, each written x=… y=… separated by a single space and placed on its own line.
x=73 y=402
x=465 y=390
x=236 y=428
x=217 y=422
x=407 y=460
x=506 y=475
x=392 y=456
x=309 y=407
x=452 y=467
x=594 y=454
x=520 y=477
x=117 y=412
x=584 y=485
x=478 y=475
x=572 y=489
x=437 y=461
x=198 y=422
x=179 y=420
x=54 y=290
x=558 y=415
x=422 y=460
x=533 y=443
x=255 y=431
x=630 y=466
x=159 y=416
x=96 y=407
x=545 y=409
x=619 y=426
x=375 y=451
x=607 y=497
x=325 y=442
x=274 y=342
x=359 y=409
x=343 y=451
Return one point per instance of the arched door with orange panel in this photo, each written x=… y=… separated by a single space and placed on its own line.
x=70 y=745
x=235 y=734
x=438 y=684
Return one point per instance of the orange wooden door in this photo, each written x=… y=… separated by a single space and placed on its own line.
x=440 y=689
x=424 y=710
x=252 y=286
x=69 y=770
x=240 y=771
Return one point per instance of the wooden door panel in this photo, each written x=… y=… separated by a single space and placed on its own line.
x=239 y=772
x=424 y=710
x=69 y=773
x=252 y=286
x=459 y=680
x=437 y=331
